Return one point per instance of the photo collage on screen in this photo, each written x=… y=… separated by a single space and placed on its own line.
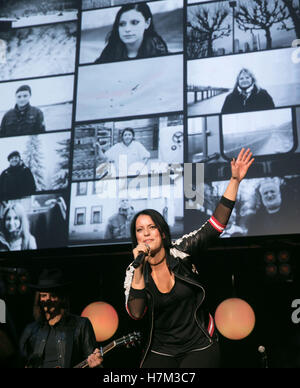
x=243 y=90
x=129 y=123
x=37 y=68
x=105 y=104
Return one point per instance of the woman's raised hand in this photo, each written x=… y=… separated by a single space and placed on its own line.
x=240 y=166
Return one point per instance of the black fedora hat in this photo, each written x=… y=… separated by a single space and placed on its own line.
x=49 y=279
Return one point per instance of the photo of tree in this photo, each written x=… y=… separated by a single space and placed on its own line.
x=233 y=27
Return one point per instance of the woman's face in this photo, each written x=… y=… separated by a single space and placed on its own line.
x=148 y=233
x=245 y=80
x=12 y=221
x=127 y=137
x=132 y=26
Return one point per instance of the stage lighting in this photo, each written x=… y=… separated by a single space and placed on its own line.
x=285 y=269
x=270 y=257
x=283 y=256
x=271 y=270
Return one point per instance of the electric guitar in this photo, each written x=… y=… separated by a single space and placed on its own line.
x=127 y=340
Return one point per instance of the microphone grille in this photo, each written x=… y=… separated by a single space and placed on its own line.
x=261 y=349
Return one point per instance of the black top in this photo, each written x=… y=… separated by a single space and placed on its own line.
x=51 y=355
x=175 y=329
x=236 y=102
x=69 y=342
x=21 y=122
x=17 y=182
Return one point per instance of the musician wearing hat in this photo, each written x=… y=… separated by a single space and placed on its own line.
x=23 y=118
x=17 y=180
x=57 y=338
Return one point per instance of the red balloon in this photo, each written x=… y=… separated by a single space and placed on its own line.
x=235 y=318
x=104 y=319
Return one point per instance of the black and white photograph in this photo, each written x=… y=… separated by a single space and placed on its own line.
x=20 y=14
x=252 y=82
x=31 y=164
x=90 y=4
x=130 y=88
x=265 y=206
x=39 y=51
x=36 y=105
x=132 y=31
x=103 y=210
x=23 y=118
x=203 y=140
x=33 y=222
x=127 y=148
x=227 y=27
x=265 y=132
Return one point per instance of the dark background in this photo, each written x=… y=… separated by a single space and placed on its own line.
x=100 y=276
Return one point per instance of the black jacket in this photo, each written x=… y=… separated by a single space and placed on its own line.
x=181 y=259
x=75 y=341
x=16 y=182
x=28 y=121
x=236 y=102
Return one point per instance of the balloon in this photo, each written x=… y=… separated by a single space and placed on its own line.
x=103 y=318
x=235 y=318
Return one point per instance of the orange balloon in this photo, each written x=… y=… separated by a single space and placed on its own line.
x=235 y=318
x=104 y=319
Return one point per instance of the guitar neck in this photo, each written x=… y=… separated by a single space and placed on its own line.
x=126 y=340
x=108 y=347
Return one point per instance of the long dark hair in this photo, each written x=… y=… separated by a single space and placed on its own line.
x=159 y=222
x=116 y=49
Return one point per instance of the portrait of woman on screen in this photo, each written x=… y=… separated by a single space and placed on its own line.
x=15 y=230
x=133 y=35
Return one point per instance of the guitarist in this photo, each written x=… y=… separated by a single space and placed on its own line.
x=57 y=338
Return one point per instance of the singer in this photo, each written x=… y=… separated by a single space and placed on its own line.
x=165 y=287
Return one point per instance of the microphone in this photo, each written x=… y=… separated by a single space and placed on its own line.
x=139 y=259
x=263 y=356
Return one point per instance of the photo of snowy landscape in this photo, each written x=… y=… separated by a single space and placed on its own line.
x=39 y=51
x=46 y=155
x=28 y=13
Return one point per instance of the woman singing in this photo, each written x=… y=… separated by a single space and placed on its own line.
x=133 y=35
x=165 y=287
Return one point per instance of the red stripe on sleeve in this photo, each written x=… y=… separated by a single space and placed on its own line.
x=216 y=224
